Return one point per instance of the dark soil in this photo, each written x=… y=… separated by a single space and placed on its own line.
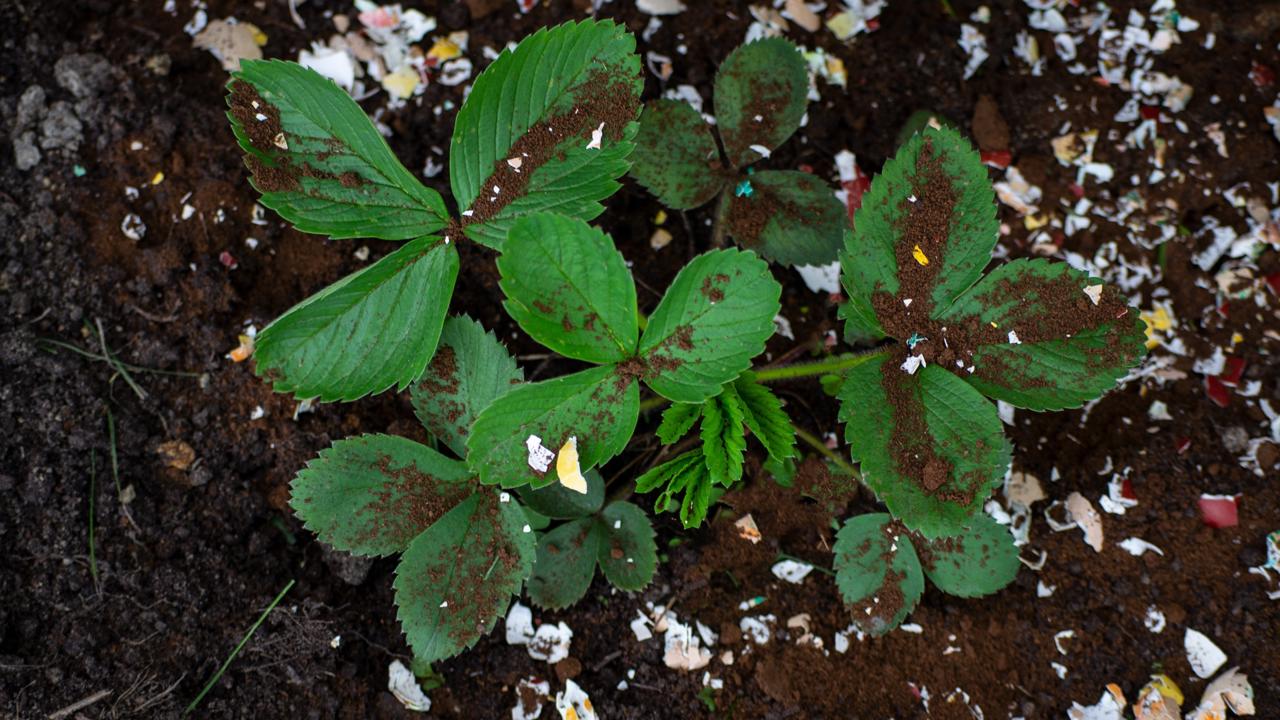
x=188 y=552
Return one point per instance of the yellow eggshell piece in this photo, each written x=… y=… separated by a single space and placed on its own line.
x=567 y=469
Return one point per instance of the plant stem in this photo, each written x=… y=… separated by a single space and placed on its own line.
x=652 y=403
x=720 y=228
x=93 y=491
x=820 y=367
x=827 y=452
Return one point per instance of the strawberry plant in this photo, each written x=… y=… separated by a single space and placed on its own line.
x=547 y=126
x=761 y=91
x=1033 y=333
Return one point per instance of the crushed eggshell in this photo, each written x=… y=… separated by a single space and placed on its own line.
x=792 y=571
x=551 y=642
x=540 y=456
x=747 y=529
x=1138 y=547
x=1159 y=699
x=1204 y=657
x=574 y=704
x=405 y=687
x=242 y=351
x=1231 y=690
x=531 y=693
x=683 y=649
x=231 y=41
x=519 y=624
x=1087 y=519
x=756 y=629
x=1110 y=707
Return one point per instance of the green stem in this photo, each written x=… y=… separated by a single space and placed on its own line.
x=652 y=403
x=216 y=676
x=819 y=568
x=820 y=367
x=828 y=453
x=720 y=228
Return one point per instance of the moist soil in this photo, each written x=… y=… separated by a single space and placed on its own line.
x=182 y=480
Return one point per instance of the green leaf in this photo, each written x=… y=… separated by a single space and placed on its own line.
x=565 y=565
x=456 y=578
x=677 y=421
x=599 y=407
x=471 y=369
x=627 y=552
x=569 y=288
x=669 y=473
x=763 y=413
x=789 y=217
x=877 y=572
x=697 y=498
x=676 y=157
x=714 y=318
x=371 y=330
x=540 y=104
x=1069 y=349
x=952 y=221
x=558 y=501
x=373 y=494
x=335 y=175
x=724 y=438
x=979 y=561
x=930 y=447
x=761 y=91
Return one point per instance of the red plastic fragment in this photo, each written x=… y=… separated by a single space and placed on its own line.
x=998 y=159
x=1126 y=487
x=854 y=190
x=1233 y=371
x=1225 y=308
x=1150 y=112
x=1182 y=444
x=1219 y=511
x=228 y=260
x=873 y=24
x=1217 y=391
x=1273 y=281
x=1077 y=190
x=1262 y=75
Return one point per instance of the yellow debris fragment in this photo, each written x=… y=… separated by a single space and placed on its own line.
x=443 y=50
x=402 y=82
x=660 y=217
x=243 y=351
x=1158 y=319
x=157 y=178
x=567 y=468
x=919 y=255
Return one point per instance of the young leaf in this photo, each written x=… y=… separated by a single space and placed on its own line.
x=627 y=552
x=523 y=141
x=714 y=318
x=763 y=413
x=877 y=572
x=569 y=288
x=457 y=577
x=470 y=370
x=930 y=446
x=789 y=217
x=557 y=501
x=677 y=421
x=697 y=498
x=373 y=494
x=676 y=157
x=761 y=91
x=724 y=439
x=599 y=407
x=1070 y=349
x=924 y=232
x=979 y=561
x=565 y=565
x=670 y=473
x=375 y=328
x=319 y=162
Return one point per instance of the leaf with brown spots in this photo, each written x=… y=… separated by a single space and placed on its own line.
x=471 y=369
x=456 y=579
x=565 y=565
x=599 y=407
x=878 y=572
x=318 y=160
x=373 y=494
x=930 y=446
x=712 y=321
x=676 y=157
x=761 y=91
x=1068 y=350
x=980 y=560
